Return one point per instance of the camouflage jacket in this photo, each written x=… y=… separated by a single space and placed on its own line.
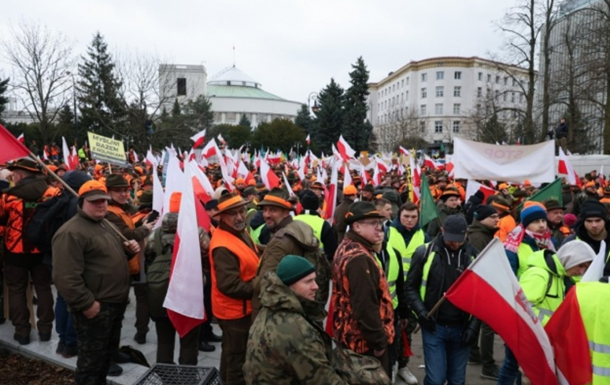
x=287 y=344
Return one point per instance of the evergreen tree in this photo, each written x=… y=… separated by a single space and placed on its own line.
x=356 y=130
x=280 y=134
x=327 y=126
x=101 y=105
x=66 y=117
x=303 y=119
x=3 y=96
x=245 y=122
x=176 y=108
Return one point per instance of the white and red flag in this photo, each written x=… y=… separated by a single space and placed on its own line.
x=198 y=139
x=331 y=192
x=68 y=157
x=21 y=139
x=568 y=336
x=404 y=151
x=347 y=177
x=430 y=163
x=184 y=299
x=602 y=178
x=308 y=139
x=11 y=147
x=473 y=186
x=268 y=176
x=221 y=139
x=565 y=167
x=489 y=290
x=344 y=149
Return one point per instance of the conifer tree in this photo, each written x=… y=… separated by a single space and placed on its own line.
x=3 y=96
x=327 y=126
x=356 y=130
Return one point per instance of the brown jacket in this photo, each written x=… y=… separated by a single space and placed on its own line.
x=340 y=226
x=295 y=237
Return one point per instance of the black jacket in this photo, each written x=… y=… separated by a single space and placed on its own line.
x=440 y=278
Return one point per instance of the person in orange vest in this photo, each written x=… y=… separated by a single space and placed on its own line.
x=120 y=215
x=54 y=152
x=22 y=261
x=234 y=259
x=507 y=221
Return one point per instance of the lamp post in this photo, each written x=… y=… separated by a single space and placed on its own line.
x=298 y=144
x=74 y=108
x=315 y=108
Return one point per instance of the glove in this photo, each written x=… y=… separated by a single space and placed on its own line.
x=426 y=323
x=469 y=336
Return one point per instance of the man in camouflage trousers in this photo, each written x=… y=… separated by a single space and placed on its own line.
x=91 y=272
x=287 y=344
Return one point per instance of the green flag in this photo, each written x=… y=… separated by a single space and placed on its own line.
x=550 y=191
x=429 y=211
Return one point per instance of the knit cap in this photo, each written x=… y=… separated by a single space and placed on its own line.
x=292 y=268
x=310 y=201
x=592 y=209
x=569 y=220
x=532 y=211
x=484 y=211
x=574 y=253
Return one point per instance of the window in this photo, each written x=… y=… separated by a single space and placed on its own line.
x=424 y=77
x=456 y=126
x=457 y=91
x=422 y=126
x=440 y=75
x=497 y=79
x=423 y=109
x=406 y=96
x=520 y=98
x=402 y=97
x=407 y=80
x=479 y=92
x=424 y=93
x=480 y=76
x=497 y=93
x=514 y=82
x=181 y=86
x=512 y=97
x=394 y=88
x=440 y=91
x=402 y=83
x=456 y=109
x=438 y=108
x=457 y=75
x=504 y=96
x=438 y=126
x=505 y=80
x=488 y=78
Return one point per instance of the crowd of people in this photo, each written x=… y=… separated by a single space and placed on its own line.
x=272 y=264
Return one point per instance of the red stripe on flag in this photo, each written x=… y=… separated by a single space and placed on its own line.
x=474 y=295
x=11 y=147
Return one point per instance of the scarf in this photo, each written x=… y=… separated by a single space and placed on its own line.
x=515 y=238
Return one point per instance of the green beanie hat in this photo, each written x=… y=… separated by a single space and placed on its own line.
x=292 y=268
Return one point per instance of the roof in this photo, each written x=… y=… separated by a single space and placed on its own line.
x=225 y=91
x=235 y=76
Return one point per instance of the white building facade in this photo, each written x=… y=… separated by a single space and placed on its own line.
x=232 y=93
x=436 y=98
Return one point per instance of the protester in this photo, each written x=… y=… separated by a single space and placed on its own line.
x=92 y=274
x=340 y=224
x=287 y=343
x=449 y=205
x=363 y=316
x=554 y=213
x=234 y=260
x=321 y=228
x=448 y=333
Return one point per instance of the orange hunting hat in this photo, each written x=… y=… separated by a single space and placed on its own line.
x=93 y=190
x=174 y=202
x=350 y=190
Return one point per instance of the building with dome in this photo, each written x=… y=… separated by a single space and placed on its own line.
x=231 y=92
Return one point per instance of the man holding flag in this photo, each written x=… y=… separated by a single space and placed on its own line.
x=448 y=333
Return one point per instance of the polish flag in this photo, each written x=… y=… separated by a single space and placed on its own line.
x=490 y=280
x=308 y=139
x=383 y=166
x=331 y=192
x=415 y=178
x=221 y=139
x=66 y=153
x=21 y=139
x=211 y=149
x=430 y=163
x=184 y=299
x=198 y=139
x=287 y=184
x=404 y=151
x=473 y=186
x=376 y=180
x=602 y=178
x=150 y=159
x=158 y=196
x=347 y=177
x=565 y=167
x=244 y=172
x=11 y=147
x=344 y=149
x=568 y=336
x=268 y=176
x=73 y=158
x=363 y=175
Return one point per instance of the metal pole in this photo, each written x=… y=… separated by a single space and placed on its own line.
x=75 y=112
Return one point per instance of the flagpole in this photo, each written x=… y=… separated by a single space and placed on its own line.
x=68 y=188
x=432 y=311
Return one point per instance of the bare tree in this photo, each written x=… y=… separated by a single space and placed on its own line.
x=402 y=127
x=41 y=60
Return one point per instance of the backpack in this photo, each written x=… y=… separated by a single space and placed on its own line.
x=49 y=216
x=356 y=368
x=157 y=276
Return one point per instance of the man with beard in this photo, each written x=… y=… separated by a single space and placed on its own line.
x=449 y=205
x=480 y=233
x=589 y=192
x=289 y=237
x=368 y=193
x=233 y=260
x=592 y=227
x=554 y=215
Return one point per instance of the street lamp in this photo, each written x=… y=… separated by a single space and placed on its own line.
x=315 y=109
x=298 y=145
x=74 y=108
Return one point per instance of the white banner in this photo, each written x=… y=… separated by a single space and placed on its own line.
x=474 y=160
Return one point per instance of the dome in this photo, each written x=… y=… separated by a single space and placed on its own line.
x=232 y=76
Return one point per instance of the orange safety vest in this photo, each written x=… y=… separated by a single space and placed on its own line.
x=19 y=214
x=134 y=263
x=225 y=307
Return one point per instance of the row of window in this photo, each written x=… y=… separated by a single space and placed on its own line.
x=440 y=92
x=438 y=109
x=438 y=126
x=440 y=75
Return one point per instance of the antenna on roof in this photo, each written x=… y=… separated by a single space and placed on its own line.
x=233 y=55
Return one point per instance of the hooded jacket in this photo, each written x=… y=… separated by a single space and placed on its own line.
x=580 y=232
x=480 y=235
x=287 y=344
x=434 y=227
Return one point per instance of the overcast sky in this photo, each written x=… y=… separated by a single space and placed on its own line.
x=291 y=47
